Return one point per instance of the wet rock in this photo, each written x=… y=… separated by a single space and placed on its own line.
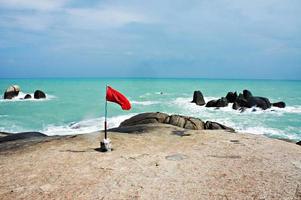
x=27 y=96
x=11 y=92
x=38 y=94
x=247 y=94
x=198 y=98
x=222 y=102
x=280 y=104
x=231 y=97
x=298 y=143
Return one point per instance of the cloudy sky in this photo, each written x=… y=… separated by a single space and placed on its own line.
x=134 y=38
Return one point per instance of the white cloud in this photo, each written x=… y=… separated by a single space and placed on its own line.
x=39 y=5
x=102 y=18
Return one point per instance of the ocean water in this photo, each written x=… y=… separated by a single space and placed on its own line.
x=76 y=106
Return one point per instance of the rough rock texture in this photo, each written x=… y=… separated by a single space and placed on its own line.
x=167 y=163
x=198 y=98
x=38 y=94
x=175 y=120
x=280 y=104
x=11 y=92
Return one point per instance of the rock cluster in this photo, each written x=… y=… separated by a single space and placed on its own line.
x=240 y=101
x=175 y=120
x=14 y=90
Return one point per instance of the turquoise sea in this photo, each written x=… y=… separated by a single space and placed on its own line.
x=76 y=106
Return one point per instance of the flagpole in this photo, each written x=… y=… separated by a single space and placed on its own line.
x=106 y=113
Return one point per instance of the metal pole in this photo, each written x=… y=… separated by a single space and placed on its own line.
x=106 y=112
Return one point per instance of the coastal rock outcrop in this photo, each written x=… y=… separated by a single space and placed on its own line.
x=231 y=97
x=222 y=102
x=11 y=92
x=175 y=120
x=299 y=143
x=38 y=94
x=217 y=126
x=27 y=96
x=198 y=98
x=280 y=104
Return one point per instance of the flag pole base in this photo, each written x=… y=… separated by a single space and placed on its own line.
x=106 y=145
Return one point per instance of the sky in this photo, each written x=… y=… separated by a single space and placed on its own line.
x=239 y=39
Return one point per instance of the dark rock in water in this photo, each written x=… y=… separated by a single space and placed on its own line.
x=247 y=94
x=27 y=96
x=217 y=126
x=260 y=102
x=241 y=101
x=11 y=92
x=298 y=143
x=175 y=120
x=231 y=97
x=38 y=94
x=280 y=104
x=223 y=102
x=235 y=106
x=198 y=98
x=211 y=103
x=21 y=136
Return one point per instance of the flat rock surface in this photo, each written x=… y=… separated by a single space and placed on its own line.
x=164 y=163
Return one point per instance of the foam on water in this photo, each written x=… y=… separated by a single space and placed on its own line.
x=21 y=96
x=145 y=103
x=85 y=126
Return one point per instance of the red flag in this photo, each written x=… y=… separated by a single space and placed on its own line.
x=117 y=97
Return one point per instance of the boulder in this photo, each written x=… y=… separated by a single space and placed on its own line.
x=231 y=97
x=222 y=102
x=198 y=98
x=145 y=118
x=27 y=96
x=280 y=104
x=175 y=120
x=260 y=102
x=298 y=143
x=217 y=126
x=247 y=94
x=11 y=92
x=211 y=103
x=38 y=94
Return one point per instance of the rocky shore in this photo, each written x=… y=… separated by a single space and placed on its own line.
x=155 y=156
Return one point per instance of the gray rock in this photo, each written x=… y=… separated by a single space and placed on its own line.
x=38 y=94
x=198 y=98
x=175 y=120
x=145 y=118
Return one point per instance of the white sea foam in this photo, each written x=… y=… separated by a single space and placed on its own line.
x=21 y=96
x=85 y=126
x=145 y=103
